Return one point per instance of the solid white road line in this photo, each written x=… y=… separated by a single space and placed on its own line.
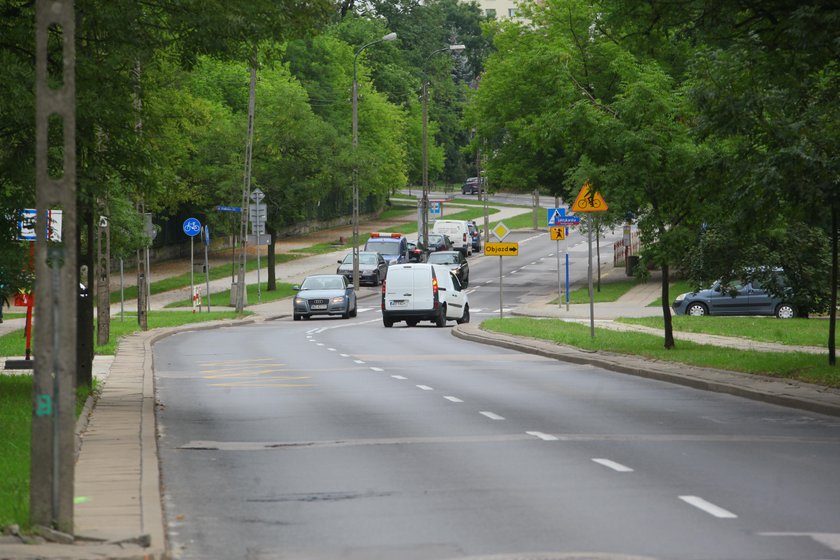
x=491 y=415
x=542 y=436
x=400 y=377
x=377 y=369
x=453 y=399
x=618 y=467
x=708 y=507
x=425 y=387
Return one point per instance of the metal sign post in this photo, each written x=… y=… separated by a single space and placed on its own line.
x=500 y=232
x=258 y=216
x=557 y=217
x=589 y=200
x=205 y=237
x=192 y=227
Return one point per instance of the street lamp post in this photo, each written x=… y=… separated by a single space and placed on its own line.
x=424 y=201
x=388 y=37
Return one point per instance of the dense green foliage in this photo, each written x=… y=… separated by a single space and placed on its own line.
x=712 y=125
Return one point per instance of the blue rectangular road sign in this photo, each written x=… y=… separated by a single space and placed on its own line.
x=228 y=208
x=558 y=217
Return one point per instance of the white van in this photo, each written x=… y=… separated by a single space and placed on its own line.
x=423 y=292
x=458 y=232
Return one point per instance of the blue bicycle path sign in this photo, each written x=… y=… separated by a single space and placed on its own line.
x=192 y=227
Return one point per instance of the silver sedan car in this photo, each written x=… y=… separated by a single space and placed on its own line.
x=325 y=294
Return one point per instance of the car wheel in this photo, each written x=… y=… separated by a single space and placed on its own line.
x=696 y=310
x=785 y=311
x=305 y=317
x=466 y=281
x=387 y=322
x=355 y=310
x=411 y=322
x=376 y=280
x=296 y=317
x=465 y=318
x=440 y=320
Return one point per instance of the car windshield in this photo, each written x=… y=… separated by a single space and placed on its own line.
x=323 y=283
x=384 y=247
x=443 y=258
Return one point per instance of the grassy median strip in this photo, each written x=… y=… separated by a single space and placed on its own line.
x=183 y=280
x=223 y=298
x=794 y=332
x=812 y=368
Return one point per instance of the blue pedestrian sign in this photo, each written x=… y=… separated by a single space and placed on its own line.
x=192 y=227
x=558 y=217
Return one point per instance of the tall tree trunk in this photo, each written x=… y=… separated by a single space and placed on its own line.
x=272 y=260
x=666 y=309
x=832 y=321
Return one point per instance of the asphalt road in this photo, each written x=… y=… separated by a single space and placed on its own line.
x=336 y=438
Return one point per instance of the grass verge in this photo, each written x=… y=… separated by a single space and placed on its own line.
x=16 y=409
x=793 y=332
x=223 y=298
x=811 y=368
x=183 y=280
x=15 y=445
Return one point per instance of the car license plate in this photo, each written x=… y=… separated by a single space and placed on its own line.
x=398 y=302
x=315 y=307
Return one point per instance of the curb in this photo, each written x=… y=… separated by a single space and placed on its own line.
x=793 y=394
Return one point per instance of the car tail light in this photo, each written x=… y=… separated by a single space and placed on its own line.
x=465 y=238
x=383 y=295
x=435 y=290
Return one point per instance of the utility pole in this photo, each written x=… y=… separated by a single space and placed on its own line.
x=241 y=293
x=56 y=281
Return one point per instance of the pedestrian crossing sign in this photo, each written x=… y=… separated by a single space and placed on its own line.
x=555 y=215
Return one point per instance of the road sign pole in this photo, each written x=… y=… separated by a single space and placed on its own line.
x=559 y=281
x=192 y=270
x=589 y=274
x=567 y=279
x=501 y=305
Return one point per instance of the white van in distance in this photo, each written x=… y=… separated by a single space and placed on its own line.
x=458 y=232
x=423 y=292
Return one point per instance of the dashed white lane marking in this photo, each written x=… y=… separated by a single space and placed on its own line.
x=319 y=343
x=425 y=387
x=618 y=467
x=331 y=349
x=358 y=361
x=514 y=271
x=453 y=399
x=542 y=436
x=491 y=415
x=400 y=377
x=344 y=355
x=831 y=540
x=311 y=340
x=708 y=507
x=377 y=369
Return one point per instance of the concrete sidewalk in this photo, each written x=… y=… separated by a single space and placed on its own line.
x=119 y=512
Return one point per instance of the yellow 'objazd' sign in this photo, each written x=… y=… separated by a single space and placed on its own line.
x=501 y=249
